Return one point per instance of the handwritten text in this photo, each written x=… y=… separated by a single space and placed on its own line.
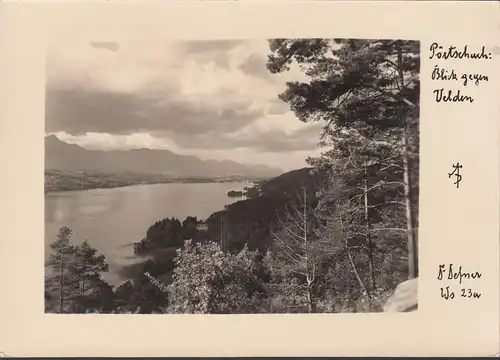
x=451 y=75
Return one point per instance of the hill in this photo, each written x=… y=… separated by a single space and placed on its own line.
x=62 y=156
x=251 y=221
x=246 y=222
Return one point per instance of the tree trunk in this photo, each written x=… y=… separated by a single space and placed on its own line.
x=367 y=233
x=309 y=278
x=356 y=273
x=351 y=260
x=311 y=304
x=61 y=283
x=412 y=246
x=221 y=233
x=410 y=223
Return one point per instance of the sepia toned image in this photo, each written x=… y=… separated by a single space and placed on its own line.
x=232 y=176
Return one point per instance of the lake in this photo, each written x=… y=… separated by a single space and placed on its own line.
x=112 y=219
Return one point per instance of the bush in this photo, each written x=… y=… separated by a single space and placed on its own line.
x=208 y=281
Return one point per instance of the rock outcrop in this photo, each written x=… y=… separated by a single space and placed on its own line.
x=404 y=299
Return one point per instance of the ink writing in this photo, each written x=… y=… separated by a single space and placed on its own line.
x=456 y=274
x=456 y=172
x=438 y=52
x=449 y=96
x=451 y=75
x=443 y=74
x=475 y=78
x=451 y=273
x=439 y=73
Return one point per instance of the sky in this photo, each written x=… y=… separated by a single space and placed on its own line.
x=212 y=99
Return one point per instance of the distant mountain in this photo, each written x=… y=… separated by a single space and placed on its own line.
x=60 y=155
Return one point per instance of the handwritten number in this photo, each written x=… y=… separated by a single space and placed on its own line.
x=468 y=293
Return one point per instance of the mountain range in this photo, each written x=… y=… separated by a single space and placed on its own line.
x=60 y=155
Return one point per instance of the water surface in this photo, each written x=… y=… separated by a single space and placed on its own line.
x=112 y=219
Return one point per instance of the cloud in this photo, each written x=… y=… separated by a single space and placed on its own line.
x=78 y=111
x=277 y=107
x=210 y=51
x=105 y=141
x=279 y=141
x=207 y=46
x=255 y=64
x=256 y=138
x=134 y=67
x=199 y=97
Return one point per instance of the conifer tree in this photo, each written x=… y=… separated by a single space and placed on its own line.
x=61 y=280
x=369 y=87
x=86 y=268
x=75 y=275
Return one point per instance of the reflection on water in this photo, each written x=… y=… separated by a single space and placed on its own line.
x=112 y=219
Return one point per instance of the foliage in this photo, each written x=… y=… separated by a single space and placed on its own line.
x=86 y=269
x=343 y=244
x=367 y=94
x=297 y=253
x=253 y=220
x=74 y=283
x=209 y=281
x=61 y=284
x=236 y=194
x=251 y=192
x=167 y=233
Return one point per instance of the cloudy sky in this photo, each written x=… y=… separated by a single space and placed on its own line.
x=212 y=99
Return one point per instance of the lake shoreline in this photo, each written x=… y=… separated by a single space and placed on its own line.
x=60 y=190
x=100 y=218
x=121 y=186
x=56 y=181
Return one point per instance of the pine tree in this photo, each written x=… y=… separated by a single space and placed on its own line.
x=61 y=280
x=369 y=87
x=86 y=269
x=74 y=278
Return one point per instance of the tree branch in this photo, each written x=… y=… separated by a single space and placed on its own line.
x=386 y=203
x=389 y=229
x=392 y=96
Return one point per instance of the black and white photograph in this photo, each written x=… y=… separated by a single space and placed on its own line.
x=232 y=176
